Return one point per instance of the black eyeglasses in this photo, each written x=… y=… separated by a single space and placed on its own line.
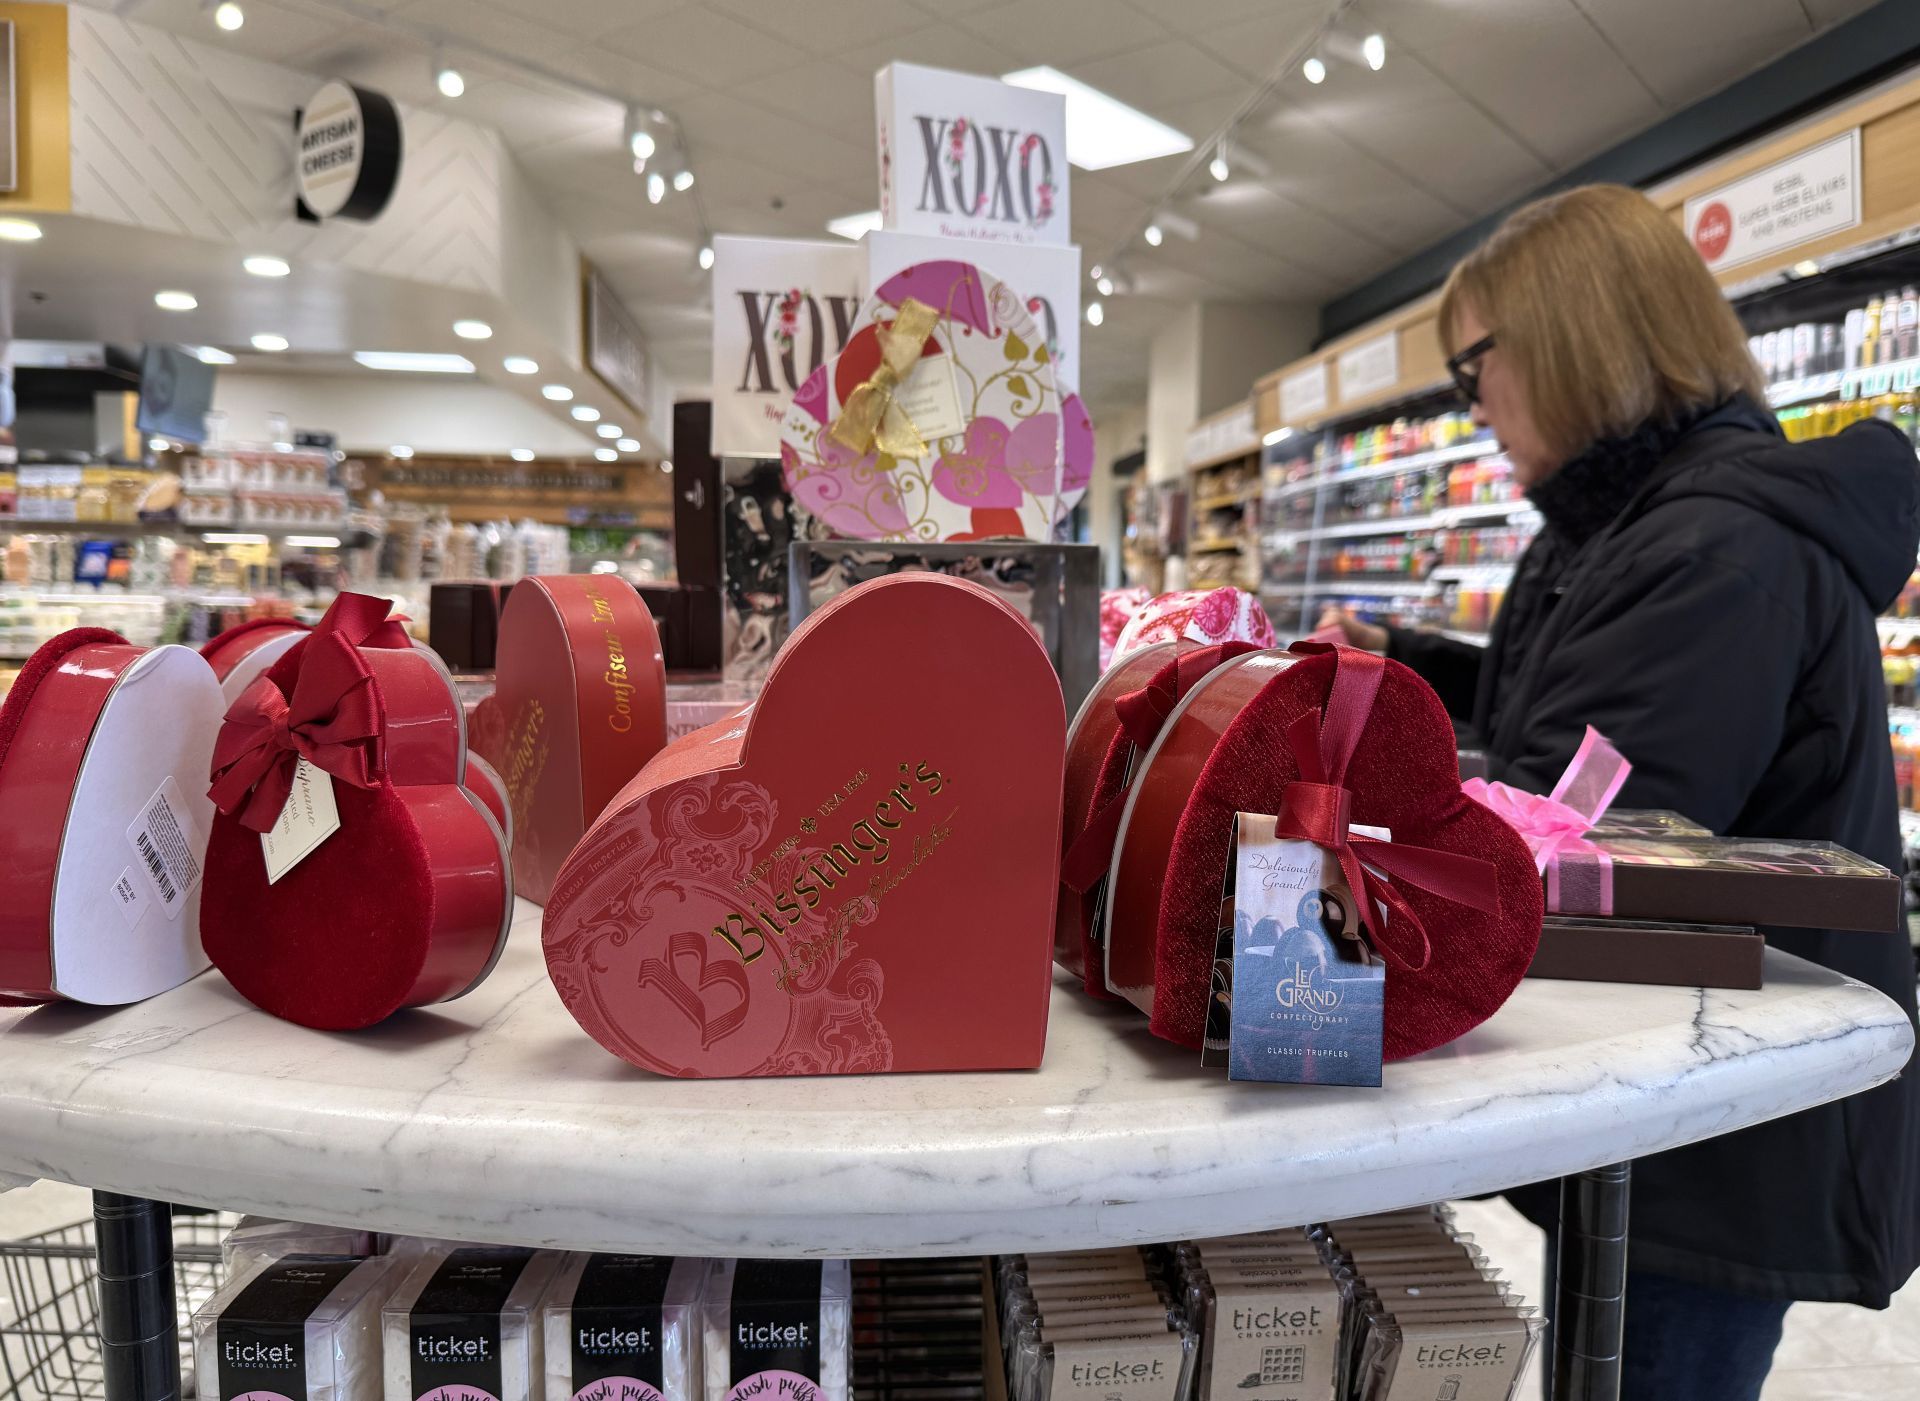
x=1465 y=380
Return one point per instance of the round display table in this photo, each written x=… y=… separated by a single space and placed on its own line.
x=496 y=1119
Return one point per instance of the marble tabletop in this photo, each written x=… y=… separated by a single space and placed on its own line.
x=495 y=1118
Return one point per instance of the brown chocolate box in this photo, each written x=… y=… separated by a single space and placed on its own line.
x=1748 y=880
x=1631 y=951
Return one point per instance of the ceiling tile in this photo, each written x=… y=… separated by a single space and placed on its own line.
x=1418 y=24
x=1428 y=143
x=825 y=26
x=1554 y=78
x=1257 y=47
x=593 y=19
x=632 y=78
x=1161 y=76
x=1687 y=52
x=1065 y=32
x=717 y=121
x=818 y=93
x=1290 y=232
x=703 y=43
x=532 y=114
x=934 y=46
x=488 y=24
x=1199 y=16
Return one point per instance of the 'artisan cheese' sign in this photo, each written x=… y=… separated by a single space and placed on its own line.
x=347 y=159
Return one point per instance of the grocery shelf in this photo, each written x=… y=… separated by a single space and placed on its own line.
x=1346 y=530
x=15 y=525
x=1485 y=511
x=1458 y=452
x=1221 y=503
x=1899 y=631
x=1472 y=574
x=1861 y=382
x=1359 y=588
x=1220 y=459
x=1800 y=391
x=495 y=1118
x=1214 y=547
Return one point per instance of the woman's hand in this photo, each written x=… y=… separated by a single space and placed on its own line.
x=1369 y=636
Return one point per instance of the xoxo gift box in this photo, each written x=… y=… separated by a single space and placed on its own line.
x=579 y=705
x=1329 y=740
x=351 y=870
x=103 y=759
x=939 y=421
x=247 y=649
x=963 y=156
x=855 y=875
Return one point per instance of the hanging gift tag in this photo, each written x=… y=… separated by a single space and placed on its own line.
x=931 y=398
x=1303 y=992
x=307 y=819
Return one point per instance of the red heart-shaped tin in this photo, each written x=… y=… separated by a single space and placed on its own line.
x=855 y=874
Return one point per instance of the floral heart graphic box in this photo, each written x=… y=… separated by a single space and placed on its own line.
x=854 y=875
x=984 y=443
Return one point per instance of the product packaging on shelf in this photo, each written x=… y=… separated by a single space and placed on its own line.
x=579 y=706
x=624 y=1328
x=778 y=1330
x=351 y=871
x=1268 y=1312
x=1096 y=1321
x=1198 y=615
x=856 y=876
x=921 y=1330
x=462 y=1323
x=940 y=420
x=1591 y=949
x=463 y=622
x=258 y=1239
x=963 y=156
x=302 y=1327
x=107 y=746
x=1331 y=740
x=245 y=650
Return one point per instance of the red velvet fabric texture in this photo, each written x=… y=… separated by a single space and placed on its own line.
x=338 y=942
x=1404 y=776
x=39 y=667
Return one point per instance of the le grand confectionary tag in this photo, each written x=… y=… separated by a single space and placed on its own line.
x=1299 y=993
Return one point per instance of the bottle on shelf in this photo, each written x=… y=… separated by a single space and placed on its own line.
x=1906 y=336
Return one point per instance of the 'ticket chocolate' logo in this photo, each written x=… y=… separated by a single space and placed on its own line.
x=614 y=1342
x=989 y=172
x=449 y=1347
x=1116 y=1370
x=270 y=1355
x=769 y=1335
x=1247 y=1320
x=1460 y=1354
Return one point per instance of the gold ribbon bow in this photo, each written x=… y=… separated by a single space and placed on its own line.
x=872 y=417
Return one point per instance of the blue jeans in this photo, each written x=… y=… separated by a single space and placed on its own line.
x=1684 y=1342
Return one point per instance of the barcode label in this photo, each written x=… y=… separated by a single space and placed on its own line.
x=164 y=839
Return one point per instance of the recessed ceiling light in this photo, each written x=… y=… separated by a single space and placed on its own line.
x=472 y=330
x=706 y=257
x=609 y=430
x=1153 y=235
x=268 y=341
x=265 y=265
x=586 y=413
x=418 y=362
x=1218 y=167
x=19 y=230
x=175 y=301
x=854 y=226
x=520 y=365
x=211 y=355
x=1103 y=131
x=1374 y=49
x=1315 y=71
x=1095 y=313
x=628 y=445
x=559 y=393
x=656 y=187
x=521 y=454
x=606 y=454
x=447 y=78
x=683 y=180
x=229 y=16
x=400 y=450
x=1105 y=285
x=666 y=465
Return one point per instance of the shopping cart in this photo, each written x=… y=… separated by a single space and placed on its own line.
x=49 y=1350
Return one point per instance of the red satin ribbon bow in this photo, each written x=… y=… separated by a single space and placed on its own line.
x=334 y=718
x=1317 y=807
x=1142 y=714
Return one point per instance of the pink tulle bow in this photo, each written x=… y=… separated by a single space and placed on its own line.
x=1579 y=874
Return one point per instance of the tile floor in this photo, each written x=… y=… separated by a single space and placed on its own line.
x=1831 y=1352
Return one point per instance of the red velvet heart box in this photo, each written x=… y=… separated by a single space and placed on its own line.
x=409 y=902
x=247 y=649
x=103 y=752
x=1229 y=746
x=580 y=698
x=856 y=874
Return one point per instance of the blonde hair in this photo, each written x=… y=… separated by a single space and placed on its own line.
x=1606 y=311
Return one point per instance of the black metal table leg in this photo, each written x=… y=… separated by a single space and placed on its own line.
x=139 y=1334
x=1590 y=1297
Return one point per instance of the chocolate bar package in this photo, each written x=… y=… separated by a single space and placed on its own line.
x=1647 y=822
x=1646 y=951
x=1733 y=880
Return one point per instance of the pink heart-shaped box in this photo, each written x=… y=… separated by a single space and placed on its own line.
x=854 y=874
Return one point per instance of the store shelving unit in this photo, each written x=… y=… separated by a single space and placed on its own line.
x=1223 y=487
x=494 y=1118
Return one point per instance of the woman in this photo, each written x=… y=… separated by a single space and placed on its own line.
x=1703 y=594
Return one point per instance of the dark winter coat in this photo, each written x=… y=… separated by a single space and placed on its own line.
x=1716 y=622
